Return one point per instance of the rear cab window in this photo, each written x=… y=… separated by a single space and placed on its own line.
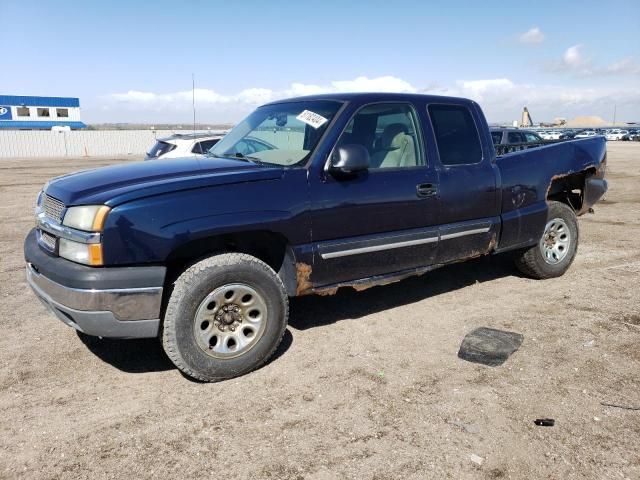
x=456 y=134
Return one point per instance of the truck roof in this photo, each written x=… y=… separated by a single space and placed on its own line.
x=375 y=97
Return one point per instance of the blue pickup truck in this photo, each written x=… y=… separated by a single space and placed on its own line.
x=304 y=196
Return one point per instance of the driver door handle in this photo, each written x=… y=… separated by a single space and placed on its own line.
x=427 y=190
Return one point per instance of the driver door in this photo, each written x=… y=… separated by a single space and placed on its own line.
x=382 y=220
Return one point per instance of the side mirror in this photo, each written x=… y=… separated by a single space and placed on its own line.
x=349 y=160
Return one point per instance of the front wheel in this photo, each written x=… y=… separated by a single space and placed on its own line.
x=225 y=317
x=554 y=253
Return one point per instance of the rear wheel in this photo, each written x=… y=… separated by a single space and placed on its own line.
x=554 y=253
x=226 y=317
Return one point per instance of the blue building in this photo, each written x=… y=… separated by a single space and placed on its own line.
x=39 y=113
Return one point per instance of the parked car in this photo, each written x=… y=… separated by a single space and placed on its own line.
x=568 y=134
x=359 y=190
x=586 y=134
x=616 y=134
x=510 y=136
x=182 y=145
x=251 y=145
x=630 y=135
x=551 y=134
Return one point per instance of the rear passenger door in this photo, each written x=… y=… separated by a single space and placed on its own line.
x=469 y=209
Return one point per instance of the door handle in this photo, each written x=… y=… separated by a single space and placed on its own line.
x=427 y=190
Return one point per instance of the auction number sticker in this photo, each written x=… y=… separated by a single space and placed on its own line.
x=312 y=118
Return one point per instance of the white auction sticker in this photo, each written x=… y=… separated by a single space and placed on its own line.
x=312 y=118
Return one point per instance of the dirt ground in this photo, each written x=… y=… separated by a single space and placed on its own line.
x=365 y=385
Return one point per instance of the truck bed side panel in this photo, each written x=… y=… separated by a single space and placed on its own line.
x=526 y=178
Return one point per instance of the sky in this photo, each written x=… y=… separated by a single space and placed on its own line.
x=132 y=61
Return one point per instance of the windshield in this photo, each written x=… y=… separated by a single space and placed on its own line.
x=281 y=134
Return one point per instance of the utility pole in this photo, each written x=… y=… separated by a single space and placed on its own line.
x=193 y=100
x=614 y=114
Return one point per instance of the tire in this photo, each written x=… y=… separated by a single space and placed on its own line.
x=211 y=330
x=552 y=255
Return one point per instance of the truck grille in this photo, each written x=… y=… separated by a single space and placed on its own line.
x=48 y=240
x=53 y=208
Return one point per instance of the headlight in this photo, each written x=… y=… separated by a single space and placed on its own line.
x=89 y=218
x=86 y=253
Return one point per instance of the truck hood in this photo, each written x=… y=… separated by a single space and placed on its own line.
x=121 y=183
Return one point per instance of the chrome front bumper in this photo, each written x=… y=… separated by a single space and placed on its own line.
x=122 y=313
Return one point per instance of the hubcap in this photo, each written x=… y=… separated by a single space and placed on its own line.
x=555 y=242
x=230 y=320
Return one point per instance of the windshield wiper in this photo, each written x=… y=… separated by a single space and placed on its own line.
x=246 y=158
x=240 y=156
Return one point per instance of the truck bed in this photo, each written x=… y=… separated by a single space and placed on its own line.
x=528 y=178
x=504 y=149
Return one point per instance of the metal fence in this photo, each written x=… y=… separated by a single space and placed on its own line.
x=77 y=143
x=94 y=143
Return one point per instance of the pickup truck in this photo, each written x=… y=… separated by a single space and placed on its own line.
x=349 y=190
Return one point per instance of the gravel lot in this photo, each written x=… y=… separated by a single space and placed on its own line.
x=365 y=385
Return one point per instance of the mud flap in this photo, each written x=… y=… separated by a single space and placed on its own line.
x=594 y=190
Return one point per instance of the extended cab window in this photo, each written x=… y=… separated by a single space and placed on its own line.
x=456 y=134
x=389 y=132
x=282 y=134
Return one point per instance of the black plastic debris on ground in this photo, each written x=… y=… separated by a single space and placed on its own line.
x=544 y=422
x=489 y=346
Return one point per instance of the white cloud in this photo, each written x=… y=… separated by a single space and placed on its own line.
x=626 y=66
x=257 y=96
x=502 y=99
x=380 y=84
x=575 y=62
x=135 y=96
x=476 y=89
x=184 y=99
x=235 y=105
x=360 y=84
x=532 y=36
x=254 y=96
x=574 y=58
